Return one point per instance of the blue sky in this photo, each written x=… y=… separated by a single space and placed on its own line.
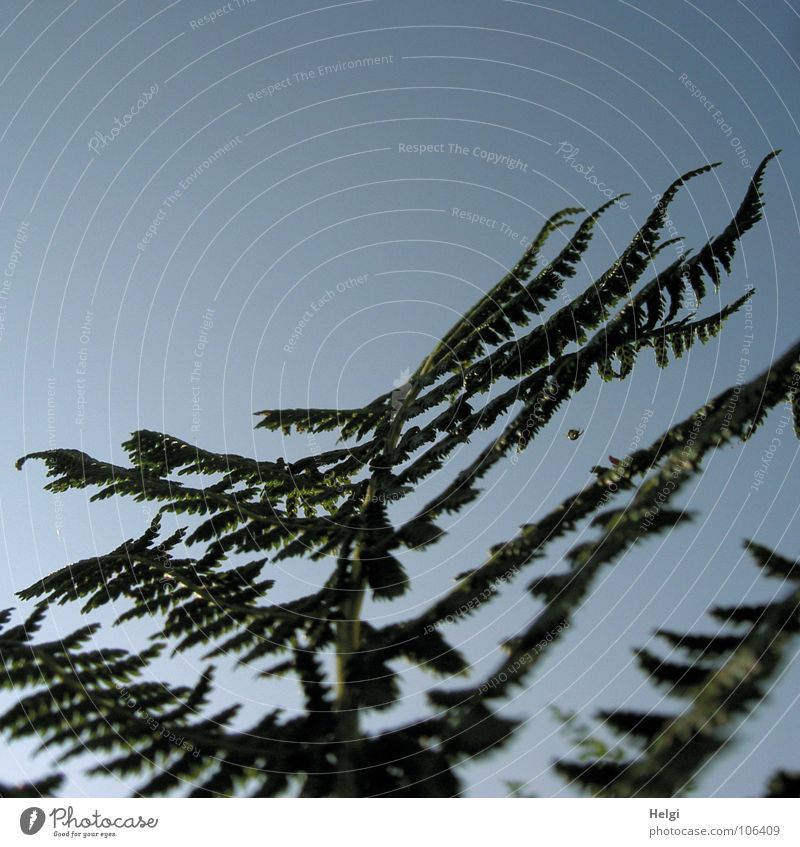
x=308 y=194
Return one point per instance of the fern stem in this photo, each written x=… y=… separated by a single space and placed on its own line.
x=348 y=630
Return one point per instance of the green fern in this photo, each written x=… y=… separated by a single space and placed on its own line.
x=333 y=508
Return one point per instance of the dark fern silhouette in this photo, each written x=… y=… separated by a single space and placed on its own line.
x=333 y=507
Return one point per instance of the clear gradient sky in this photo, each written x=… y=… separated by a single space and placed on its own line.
x=229 y=185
